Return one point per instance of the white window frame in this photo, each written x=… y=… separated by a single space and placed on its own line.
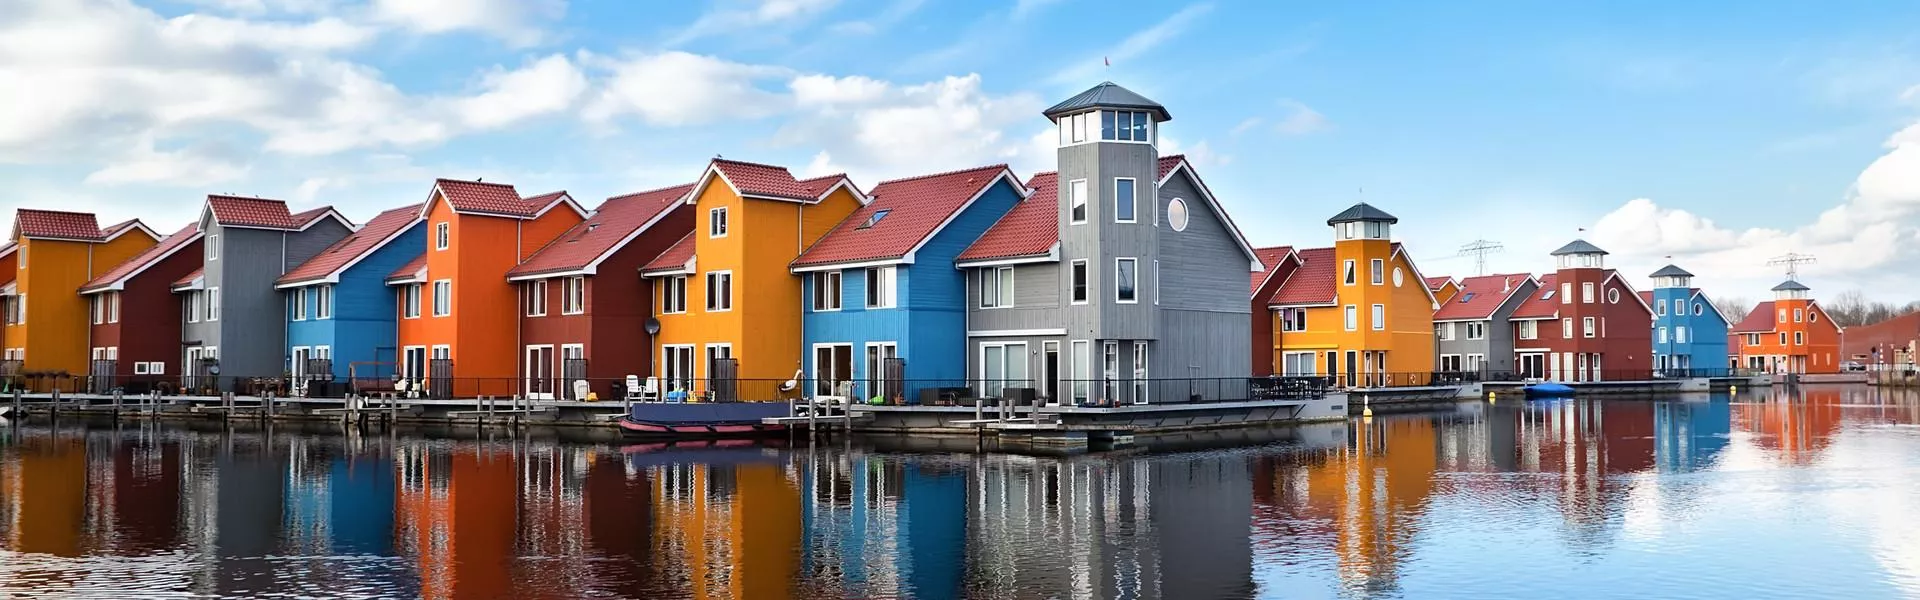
x=1586 y=292
x=1476 y=330
x=1077 y=291
x=1566 y=328
x=213 y=304
x=298 y=305
x=873 y=361
x=193 y=306
x=1529 y=330
x=438 y=295
x=829 y=291
x=1379 y=317
x=1379 y=274
x=410 y=300
x=1660 y=335
x=1448 y=332
x=1002 y=289
x=213 y=249
x=717 y=225
x=442 y=236
x=725 y=302
x=1680 y=334
x=140 y=368
x=883 y=287
x=1080 y=370
x=1142 y=373
x=1349 y=273
x=323 y=301
x=1077 y=202
x=1566 y=292
x=673 y=289
x=1588 y=327
x=1352 y=313
x=573 y=295
x=1116 y=280
x=537 y=298
x=1799 y=315
x=1132 y=203
x=1799 y=338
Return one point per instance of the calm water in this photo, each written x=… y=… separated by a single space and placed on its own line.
x=1768 y=495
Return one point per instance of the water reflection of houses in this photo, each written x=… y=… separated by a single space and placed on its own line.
x=885 y=527
x=1792 y=424
x=726 y=528
x=456 y=512
x=1363 y=501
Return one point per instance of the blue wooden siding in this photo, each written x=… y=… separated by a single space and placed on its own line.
x=928 y=322
x=1706 y=345
x=362 y=327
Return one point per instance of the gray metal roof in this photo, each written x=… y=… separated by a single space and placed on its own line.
x=1671 y=271
x=1578 y=247
x=1108 y=95
x=1362 y=212
x=1791 y=286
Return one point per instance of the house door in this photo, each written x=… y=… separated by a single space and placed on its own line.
x=1353 y=368
x=539 y=372
x=1554 y=370
x=299 y=367
x=676 y=364
x=1582 y=359
x=1050 y=372
x=413 y=364
x=832 y=366
x=1594 y=367
x=440 y=372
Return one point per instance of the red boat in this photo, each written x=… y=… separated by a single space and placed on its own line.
x=697 y=430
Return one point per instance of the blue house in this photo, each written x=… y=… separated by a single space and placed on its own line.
x=885 y=312
x=340 y=310
x=1688 y=332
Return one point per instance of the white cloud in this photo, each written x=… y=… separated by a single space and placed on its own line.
x=896 y=12
x=896 y=131
x=323 y=35
x=1246 y=125
x=1084 y=71
x=826 y=90
x=549 y=85
x=1301 y=119
x=678 y=89
x=755 y=14
x=185 y=167
x=518 y=22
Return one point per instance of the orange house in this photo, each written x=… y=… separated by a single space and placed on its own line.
x=459 y=315
x=1359 y=312
x=724 y=292
x=1444 y=288
x=54 y=253
x=1791 y=334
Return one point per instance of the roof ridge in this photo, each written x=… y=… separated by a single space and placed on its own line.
x=231 y=196
x=651 y=191
x=561 y=192
x=753 y=164
x=415 y=207
x=995 y=166
x=475 y=182
x=64 y=212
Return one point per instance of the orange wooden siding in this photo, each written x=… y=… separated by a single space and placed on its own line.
x=58 y=319
x=1407 y=334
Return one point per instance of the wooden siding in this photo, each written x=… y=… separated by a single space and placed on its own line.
x=1407 y=336
x=150 y=314
x=59 y=320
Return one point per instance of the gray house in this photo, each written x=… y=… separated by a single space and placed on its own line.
x=1119 y=280
x=234 y=321
x=1474 y=329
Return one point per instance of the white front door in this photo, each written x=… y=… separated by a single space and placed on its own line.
x=299 y=366
x=539 y=372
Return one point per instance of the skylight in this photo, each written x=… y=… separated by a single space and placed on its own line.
x=1547 y=296
x=875 y=219
x=1467 y=297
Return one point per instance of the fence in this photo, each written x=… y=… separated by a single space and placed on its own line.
x=1454 y=378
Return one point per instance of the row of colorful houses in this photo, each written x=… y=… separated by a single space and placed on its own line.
x=1112 y=279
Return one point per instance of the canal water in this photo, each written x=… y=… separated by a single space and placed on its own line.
x=1772 y=494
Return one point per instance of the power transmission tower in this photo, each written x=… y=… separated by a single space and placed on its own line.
x=1792 y=261
x=1479 y=249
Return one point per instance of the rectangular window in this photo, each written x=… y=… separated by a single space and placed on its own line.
x=1379 y=317
x=1079 y=127
x=1353 y=317
x=717 y=222
x=878 y=380
x=213 y=304
x=443 y=297
x=1680 y=334
x=410 y=301
x=193 y=307
x=1002 y=366
x=1661 y=335
x=1587 y=327
x=1445 y=331
x=1124 y=209
x=1350 y=277
x=1586 y=292
x=573 y=295
x=1124 y=280
x=1449 y=362
x=213 y=249
x=1798 y=315
x=673 y=294
x=1529 y=330
x=826 y=291
x=1078 y=282
x=1474 y=361
x=297 y=304
x=1783 y=315
x=1293 y=319
x=1679 y=306
x=996 y=287
x=537 y=298
x=1566 y=293
x=1140 y=373
x=1379 y=268
x=441 y=237
x=1077 y=191
x=882 y=286
x=98 y=305
x=1081 y=355
x=1799 y=338
x=1566 y=328
x=323 y=306
x=719 y=291
x=1660 y=308
x=1477 y=330
x=113 y=307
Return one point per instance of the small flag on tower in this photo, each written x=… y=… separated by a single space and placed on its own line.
x=1106 y=60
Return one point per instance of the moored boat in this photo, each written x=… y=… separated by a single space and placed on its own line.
x=673 y=420
x=1549 y=390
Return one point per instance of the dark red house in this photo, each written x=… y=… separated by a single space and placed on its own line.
x=1585 y=323
x=583 y=304
x=1279 y=263
x=135 y=315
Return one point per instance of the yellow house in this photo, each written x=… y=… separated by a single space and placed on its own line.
x=47 y=321
x=727 y=308
x=1358 y=311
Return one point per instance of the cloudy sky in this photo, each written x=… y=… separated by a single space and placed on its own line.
x=1719 y=137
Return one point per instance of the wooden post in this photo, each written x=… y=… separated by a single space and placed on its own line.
x=116 y=404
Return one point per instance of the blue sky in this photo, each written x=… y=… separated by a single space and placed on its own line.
x=1718 y=135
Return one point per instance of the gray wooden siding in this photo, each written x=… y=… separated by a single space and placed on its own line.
x=1202 y=268
x=1101 y=240
x=253 y=327
x=1036 y=300
x=304 y=245
x=203 y=333
x=1207 y=344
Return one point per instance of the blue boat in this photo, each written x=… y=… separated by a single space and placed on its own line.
x=1549 y=390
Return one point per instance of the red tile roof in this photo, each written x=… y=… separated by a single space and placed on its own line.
x=1759 y=320
x=128 y=267
x=114 y=229
x=1540 y=306
x=410 y=269
x=188 y=279
x=1269 y=258
x=56 y=224
x=307 y=217
x=912 y=209
x=1312 y=283
x=1479 y=296
x=1435 y=283
x=483 y=197
x=349 y=249
x=1167 y=163
x=1030 y=229
x=610 y=226
x=1647 y=297
x=233 y=211
x=755 y=179
x=674 y=258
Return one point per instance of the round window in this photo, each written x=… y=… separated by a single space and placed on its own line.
x=1699 y=309
x=1813 y=316
x=1398 y=277
x=1613 y=296
x=1177 y=214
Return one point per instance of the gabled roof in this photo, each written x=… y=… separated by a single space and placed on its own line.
x=771 y=182
x=259 y=213
x=1437 y=282
x=1362 y=212
x=1180 y=163
x=616 y=222
x=1646 y=297
x=904 y=214
x=1481 y=296
x=1270 y=259
x=1791 y=286
x=1312 y=284
x=116 y=277
x=1671 y=271
x=189 y=280
x=414 y=271
x=56 y=225
x=1759 y=320
x=497 y=200
x=672 y=261
x=326 y=266
x=1543 y=304
x=1108 y=95
x=1031 y=229
x=1578 y=247
x=115 y=230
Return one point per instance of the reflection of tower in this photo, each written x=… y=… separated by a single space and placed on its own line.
x=1690 y=433
x=1375 y=492
x=1202 y=512
x=147 y=494
x=1794 y=424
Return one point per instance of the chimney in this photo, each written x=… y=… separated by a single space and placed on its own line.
x=1506 y=285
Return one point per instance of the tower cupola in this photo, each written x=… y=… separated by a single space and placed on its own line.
x=1671 y=276
x=1362 y=222
x=1579 y=254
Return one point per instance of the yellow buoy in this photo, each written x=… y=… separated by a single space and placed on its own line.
x=1366 y=409
x=1493 y=397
